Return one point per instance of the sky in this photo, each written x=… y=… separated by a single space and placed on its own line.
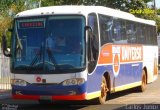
x=158 y=3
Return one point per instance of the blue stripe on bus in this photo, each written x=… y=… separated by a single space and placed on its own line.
x=49 y=89
x=128 y=73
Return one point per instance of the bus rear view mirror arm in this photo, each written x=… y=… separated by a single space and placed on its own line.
x=4 y=45
x=10 y=30
x=89 y=28
x=90 y=31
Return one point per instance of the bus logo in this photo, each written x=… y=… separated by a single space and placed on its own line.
x=116 y=55
x=38 y=79
x=116 y=60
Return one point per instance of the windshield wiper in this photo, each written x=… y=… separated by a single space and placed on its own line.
x=51 y=57
x=18 y=39
x=37 y=58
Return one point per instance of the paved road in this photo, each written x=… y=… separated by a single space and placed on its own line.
x=126 y=100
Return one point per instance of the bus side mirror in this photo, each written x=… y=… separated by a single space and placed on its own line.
x=91 y=34
x=89 y=28
x=10 y=30
x=4 y=45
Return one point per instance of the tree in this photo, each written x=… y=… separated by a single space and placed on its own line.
x=158 y=12
x=5 y=20
x=9 y=8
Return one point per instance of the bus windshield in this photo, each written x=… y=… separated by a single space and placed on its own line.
x=50 y=44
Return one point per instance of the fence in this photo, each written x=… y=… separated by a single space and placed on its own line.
x=5 y=73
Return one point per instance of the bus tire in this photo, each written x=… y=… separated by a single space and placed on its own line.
x=143 y=86
x=104 y=92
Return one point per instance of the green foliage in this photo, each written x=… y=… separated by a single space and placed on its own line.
x=8 y=9
x=158 y=24
x=158 y=12
x=61 y=2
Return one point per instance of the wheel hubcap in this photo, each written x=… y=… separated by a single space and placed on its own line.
x=144 y=81
x=103 y=89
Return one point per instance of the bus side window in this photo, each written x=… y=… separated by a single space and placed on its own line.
x=131 y=32
x=93 y=42
x=106 y=28
x=139 y=34
x=154 y=33
x=119 y=31
x=147 y=35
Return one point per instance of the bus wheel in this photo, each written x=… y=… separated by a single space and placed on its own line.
x=104 y=90
x=144 y=82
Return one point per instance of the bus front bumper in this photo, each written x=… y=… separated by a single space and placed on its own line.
x=39 y=97
x=58 y=92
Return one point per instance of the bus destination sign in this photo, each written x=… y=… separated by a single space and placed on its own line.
x=31 y=24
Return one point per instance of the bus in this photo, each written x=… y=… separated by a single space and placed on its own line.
x=102 y=51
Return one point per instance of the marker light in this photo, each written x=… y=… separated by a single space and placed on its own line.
x=18 y=82
x=74 y=81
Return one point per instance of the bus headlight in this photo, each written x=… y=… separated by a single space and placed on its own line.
x=74 y=81
x=18 y=82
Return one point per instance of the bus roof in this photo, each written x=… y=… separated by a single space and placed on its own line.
x=84 y=10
